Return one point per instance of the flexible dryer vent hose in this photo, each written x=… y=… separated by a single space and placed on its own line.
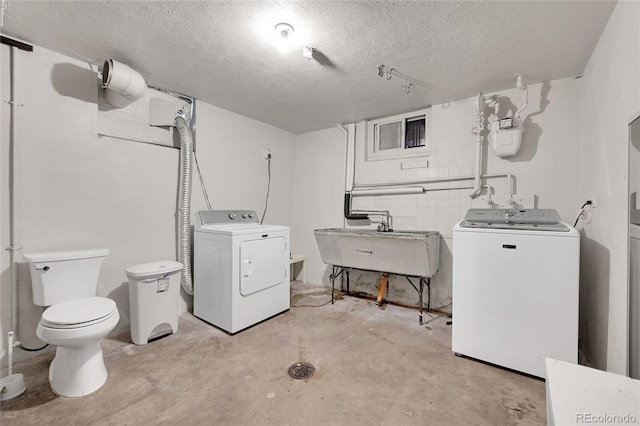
x=184 y=207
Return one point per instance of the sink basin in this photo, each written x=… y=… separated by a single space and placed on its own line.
x=413 y=253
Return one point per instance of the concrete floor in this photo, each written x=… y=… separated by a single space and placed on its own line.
x=374 y=366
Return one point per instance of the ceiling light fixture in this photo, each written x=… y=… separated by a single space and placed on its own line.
x=307 y=52
x=283 y=36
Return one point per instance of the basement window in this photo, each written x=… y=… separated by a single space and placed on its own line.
x=399 y=136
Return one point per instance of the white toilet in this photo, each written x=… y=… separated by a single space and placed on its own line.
x=76 y=320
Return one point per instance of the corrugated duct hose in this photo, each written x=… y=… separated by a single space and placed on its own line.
x=184 y=207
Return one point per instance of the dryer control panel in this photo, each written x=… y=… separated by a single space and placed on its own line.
x=213 y=217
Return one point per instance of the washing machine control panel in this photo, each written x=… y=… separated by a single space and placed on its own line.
x=526 y=219
x=212 y=217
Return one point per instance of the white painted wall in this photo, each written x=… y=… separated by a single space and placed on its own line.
x=319 y=194
x=611 y=99
x=547 y=166
x=80 y=191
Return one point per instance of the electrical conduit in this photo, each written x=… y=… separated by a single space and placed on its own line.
x=184 y=206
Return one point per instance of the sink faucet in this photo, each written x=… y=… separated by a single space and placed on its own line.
x=385 y=225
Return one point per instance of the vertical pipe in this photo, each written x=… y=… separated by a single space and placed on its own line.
x=478 y=167
x=477 y=130
x=510 y=183
x=383 y=287
x=13 y=193
x=525 y=95
x=10 y=352
x=350 y=162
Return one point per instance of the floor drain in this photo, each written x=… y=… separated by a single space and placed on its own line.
x=301 y=370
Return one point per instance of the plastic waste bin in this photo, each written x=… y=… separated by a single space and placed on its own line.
x=154 y=300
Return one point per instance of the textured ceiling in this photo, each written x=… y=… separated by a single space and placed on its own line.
x=223 y=52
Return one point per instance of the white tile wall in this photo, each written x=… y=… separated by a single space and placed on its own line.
x=433 y=211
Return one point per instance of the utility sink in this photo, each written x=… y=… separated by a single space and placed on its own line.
x=413 y=253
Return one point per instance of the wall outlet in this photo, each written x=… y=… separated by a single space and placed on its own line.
x=594 y=201
x=267 y=154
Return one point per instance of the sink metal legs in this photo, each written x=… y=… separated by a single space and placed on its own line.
x=420 y=291
x=339 y=270
x=336 y=272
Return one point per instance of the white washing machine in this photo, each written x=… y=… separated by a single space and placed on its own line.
x=240 y=269
x=515 y=288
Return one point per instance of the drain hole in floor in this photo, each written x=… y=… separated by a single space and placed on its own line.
x=301 y=370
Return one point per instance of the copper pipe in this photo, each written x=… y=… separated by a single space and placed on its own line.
x=383 y=287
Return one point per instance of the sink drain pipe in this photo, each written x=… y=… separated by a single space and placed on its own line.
x=383 y=288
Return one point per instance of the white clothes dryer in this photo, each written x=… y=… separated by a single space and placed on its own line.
x=240 y=269
x=515 y=288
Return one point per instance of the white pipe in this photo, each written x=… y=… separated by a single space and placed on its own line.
x=496 y=105
x=388 y=191
x=350 y=163
x=14 y=246
x=477 y=130
x=10 y=352
x=477 y=168
x=449 y=189
x=525 y=95
x=431 y=180
x=122 y=84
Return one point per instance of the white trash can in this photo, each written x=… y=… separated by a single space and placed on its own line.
x=154 y=300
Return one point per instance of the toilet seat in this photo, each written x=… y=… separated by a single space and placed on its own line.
x=79 y=313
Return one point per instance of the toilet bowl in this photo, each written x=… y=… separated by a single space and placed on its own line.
x=77 y=328
x=76 y=320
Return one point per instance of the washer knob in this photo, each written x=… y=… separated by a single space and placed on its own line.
x=232 y=216
x=250 y=215
x=244 y=215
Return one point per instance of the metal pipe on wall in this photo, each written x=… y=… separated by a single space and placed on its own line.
x=427 y=181
x=388 y=191
x=351 y=156
x=14 y=245
x=13 y=385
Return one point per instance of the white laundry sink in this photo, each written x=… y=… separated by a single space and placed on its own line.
x=413 y=253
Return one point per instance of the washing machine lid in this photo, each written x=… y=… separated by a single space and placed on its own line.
x=79 y=313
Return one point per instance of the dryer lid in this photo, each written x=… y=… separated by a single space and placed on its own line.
x=79 y=311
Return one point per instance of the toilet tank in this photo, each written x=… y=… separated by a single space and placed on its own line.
x=64 y=275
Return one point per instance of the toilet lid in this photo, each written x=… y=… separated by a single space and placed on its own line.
x=79 y=313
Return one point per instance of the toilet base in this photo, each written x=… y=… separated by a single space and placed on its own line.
x=78 y=371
